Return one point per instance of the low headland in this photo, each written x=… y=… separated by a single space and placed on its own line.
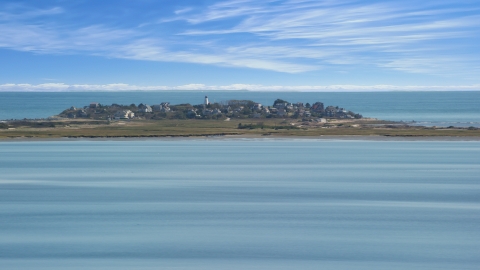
x=236 y=118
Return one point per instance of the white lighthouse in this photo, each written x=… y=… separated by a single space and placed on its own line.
x=206 y=101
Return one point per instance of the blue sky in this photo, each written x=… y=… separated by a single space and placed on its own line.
x=239 y=44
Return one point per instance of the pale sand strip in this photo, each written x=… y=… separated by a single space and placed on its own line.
x=252 y=137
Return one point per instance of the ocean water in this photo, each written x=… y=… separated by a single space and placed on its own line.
x=426 y=108
x=239 y=204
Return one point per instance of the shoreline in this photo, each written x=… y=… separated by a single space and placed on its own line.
x=251 y=137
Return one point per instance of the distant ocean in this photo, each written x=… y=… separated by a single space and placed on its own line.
x=239 y=204
x=426 y=108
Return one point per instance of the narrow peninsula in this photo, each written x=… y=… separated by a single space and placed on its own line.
x=233 y=117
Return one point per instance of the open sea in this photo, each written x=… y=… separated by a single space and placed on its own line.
x=460 y=109
x=239 y=203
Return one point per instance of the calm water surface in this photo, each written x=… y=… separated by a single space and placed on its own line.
x=239 y=204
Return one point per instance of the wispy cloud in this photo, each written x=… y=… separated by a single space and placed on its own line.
x=147 y=50
x=183 y=10
x=34 y=38
x=369 y=33
x=62 y=87
x=291 y=36
x=29 y=14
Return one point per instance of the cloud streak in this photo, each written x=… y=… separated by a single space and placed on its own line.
x=329 y=31
x=291 y=36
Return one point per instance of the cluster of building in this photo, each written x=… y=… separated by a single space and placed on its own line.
x=143 y=108
x=280 y=109
x=299 y=109
x=96 y=108
x=162 y=107
x=124 y=114
x=231 y=108
x=82 y=112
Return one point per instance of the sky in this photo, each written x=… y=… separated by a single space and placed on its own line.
x=304 y=45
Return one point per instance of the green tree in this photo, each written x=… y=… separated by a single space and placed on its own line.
x=246 y=111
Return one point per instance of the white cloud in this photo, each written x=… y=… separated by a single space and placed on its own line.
x=33 y=13
x=290 y=36
x=147 y=49
x=62 y=87
x=95 y=39
x=183 y=10
x=331 y=32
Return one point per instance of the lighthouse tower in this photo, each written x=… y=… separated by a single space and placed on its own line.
x=206 y=101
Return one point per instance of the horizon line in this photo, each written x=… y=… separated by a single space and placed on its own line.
x=122 y=87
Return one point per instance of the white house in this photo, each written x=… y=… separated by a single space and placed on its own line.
x=125 y=114
x=145 y=108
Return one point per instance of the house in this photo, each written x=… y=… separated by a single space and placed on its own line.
x=94 y=105
x=82 y=113
x=192 y=113
x=144 y=108
x=318 y=107
x=284 y=105
x=212 y=112
x=163 y=107
x=330 y=111
x=280 y=105
x=342 y=113
x=299 y=105
x=228 y=109
x=239 y=109
x=125 y=114
x=282 y=112
x=257 y=107
x=300 y=112
x=207 y=112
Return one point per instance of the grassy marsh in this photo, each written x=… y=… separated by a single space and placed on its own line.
x=245 y=127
